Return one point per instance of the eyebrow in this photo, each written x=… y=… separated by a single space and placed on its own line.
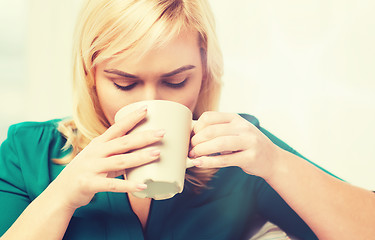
x=169 y=74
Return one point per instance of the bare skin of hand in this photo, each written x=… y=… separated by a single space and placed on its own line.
x=336 y=209
x=239 y=143
x=95 y=168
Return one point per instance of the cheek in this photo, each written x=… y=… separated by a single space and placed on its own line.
x=109 y=110
x=191 y=97
x=108 y=100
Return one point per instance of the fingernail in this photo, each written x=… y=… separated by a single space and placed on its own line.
x=160 y=133
x=141 y=186
x=142 y=109
x=155 y=153
x=191 y=154
x=197 y=163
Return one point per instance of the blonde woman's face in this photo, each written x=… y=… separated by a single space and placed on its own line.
x=172 y=73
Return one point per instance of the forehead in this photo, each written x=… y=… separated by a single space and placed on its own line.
x=181 y=50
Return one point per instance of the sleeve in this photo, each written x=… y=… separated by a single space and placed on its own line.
x=286 y=147
x=269 y=203
x=272 y=207
x=253 y=120
x=13 y=196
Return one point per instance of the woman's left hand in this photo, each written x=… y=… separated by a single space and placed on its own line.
x=332 y=204
x=226 y=139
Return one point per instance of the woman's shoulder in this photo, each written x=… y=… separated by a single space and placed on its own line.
x=250 y=118
x=29 y=130
x=32 y=136
x=26 y=154
x=30 y=126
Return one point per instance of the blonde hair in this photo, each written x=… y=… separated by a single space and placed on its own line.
x=111 y=27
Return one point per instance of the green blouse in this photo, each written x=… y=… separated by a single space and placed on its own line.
x=223 y=210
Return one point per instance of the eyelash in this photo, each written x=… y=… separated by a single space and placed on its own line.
x=176 y=85
x=168 y=84
x=125 y=88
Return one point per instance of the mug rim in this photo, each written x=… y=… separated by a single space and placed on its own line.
x=145 y=103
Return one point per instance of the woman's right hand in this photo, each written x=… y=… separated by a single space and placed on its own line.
x=107 y=156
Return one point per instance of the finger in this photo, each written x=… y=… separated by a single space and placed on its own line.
x=117 y=185
x=210 y=118
x=124 y=125
x=132 y=141
x=218 y=161
x=129 y=160
x=214 y=131
x=221 y=144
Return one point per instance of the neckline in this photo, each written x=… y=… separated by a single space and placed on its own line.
x=144 y=230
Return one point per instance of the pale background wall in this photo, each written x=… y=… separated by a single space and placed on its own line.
x=304 y=68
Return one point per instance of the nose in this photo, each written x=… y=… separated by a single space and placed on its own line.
x=151 y=93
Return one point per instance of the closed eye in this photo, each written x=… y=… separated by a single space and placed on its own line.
x=175 y=85
x=125 y=88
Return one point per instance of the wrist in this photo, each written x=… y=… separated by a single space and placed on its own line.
x=57 y=199
x=279 y=166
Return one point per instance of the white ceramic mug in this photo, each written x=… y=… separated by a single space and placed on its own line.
x=164 y=177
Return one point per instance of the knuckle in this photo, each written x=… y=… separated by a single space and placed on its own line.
x=150 y=136
x=223 y=143
x=83 y=183
x=89 y=152
x=223 y=162
x=247 y=127
x=96 y=140
x=120 y=162
x=143 y=138
x=111 y=186
x=197 y=139
x=145 y=155
x=252 y=140
x=121 y=124
x=194 y=141
x=132 y=159
x=256 y=141
x=210 y=133
x=251 y=154
x=204 y=117
x=197 y=151
x=125 y=142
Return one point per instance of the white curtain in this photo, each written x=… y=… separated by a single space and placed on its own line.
x=51 y=25
x=35 y=58
x=306 y=70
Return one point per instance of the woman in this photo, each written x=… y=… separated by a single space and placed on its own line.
x=63 y=178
